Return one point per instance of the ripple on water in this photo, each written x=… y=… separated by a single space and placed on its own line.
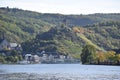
x=33 y=76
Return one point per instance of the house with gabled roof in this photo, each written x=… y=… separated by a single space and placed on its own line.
x=4 y=45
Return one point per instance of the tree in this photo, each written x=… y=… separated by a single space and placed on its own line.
x=88 y=54
x=10 y=59
x=20 y=57
x=110 y=55
x=2 y=59
x=100 y=57
x=118 y=57
x=14 y=53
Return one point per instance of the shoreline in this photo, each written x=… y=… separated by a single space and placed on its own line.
x=65 y=63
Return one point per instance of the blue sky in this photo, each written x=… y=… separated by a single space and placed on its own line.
x=65 y=6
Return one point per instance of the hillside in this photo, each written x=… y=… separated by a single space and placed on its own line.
x=82 y=36
x=55 y=32
x=66 y=40
x=20 y=25
x=105 y=35
x=62 y=40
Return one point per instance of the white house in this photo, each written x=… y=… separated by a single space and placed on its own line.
x=51 y=57
x=28 y=58
x=62 y=57
x=36 y=58
x=13 y=45
x=44 y=57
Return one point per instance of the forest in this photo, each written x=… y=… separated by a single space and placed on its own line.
x=66 y=34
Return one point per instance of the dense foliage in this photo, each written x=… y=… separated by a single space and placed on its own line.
x=61 y=40
x=18 y=26
x=105 y=34
x=12 y=56
x=89 y=55
x=57 y=32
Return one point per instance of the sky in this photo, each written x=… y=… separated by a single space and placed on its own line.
x=65 y=6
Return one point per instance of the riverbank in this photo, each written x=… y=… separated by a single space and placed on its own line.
x=33 y=76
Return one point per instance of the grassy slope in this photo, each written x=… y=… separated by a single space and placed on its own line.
x=88 y=41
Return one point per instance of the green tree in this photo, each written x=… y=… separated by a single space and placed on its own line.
x=100 y=57
x=20 y=57
x=88 y=54
x=10 y=59
x=2 y=59
x=14 y=53
x=110 y=55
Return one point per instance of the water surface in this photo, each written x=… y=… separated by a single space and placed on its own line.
x=76 y=70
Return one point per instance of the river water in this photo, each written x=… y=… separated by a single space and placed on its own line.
x=85 y=72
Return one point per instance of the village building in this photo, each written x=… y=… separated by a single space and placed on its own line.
x=51 y=57
x=13 y=46
x=28 y=58
x=36 y=59
x=32 y=58
x=44 y=58
x=4 y=45
x=48 y=57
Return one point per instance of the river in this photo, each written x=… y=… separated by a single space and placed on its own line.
x=81 y=72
